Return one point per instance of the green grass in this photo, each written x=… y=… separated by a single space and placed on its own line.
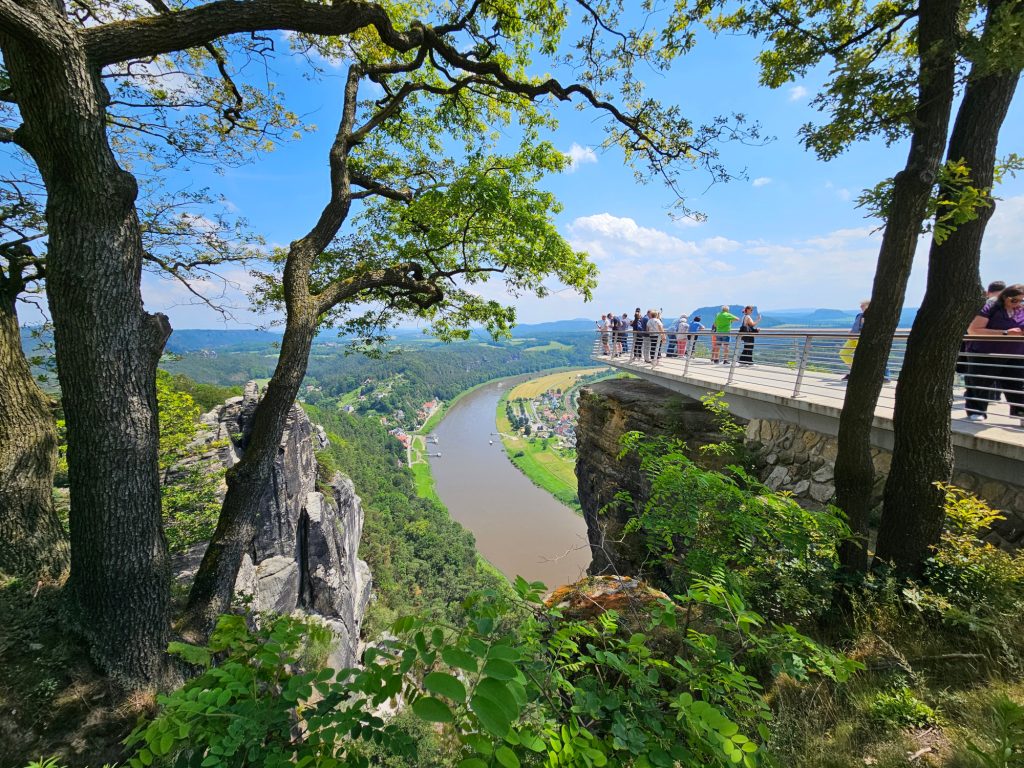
x=540 y=461
x=551 y=346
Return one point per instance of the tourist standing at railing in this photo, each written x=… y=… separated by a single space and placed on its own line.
x=603 y=328
x=616 y=326
x=638 y=325
x=748 y=327
x=624 y=332
x=720 y=338
x=997 y=366
x=655 y=333
x=991 y=293
x=695 y=327
x=677 y=340
x=847 y=350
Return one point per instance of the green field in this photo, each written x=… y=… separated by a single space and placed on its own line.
x=562 y=380
x=551 y=346
x=540 y=460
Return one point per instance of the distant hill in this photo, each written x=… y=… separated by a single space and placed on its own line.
x=186 y=340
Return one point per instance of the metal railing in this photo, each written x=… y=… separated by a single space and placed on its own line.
x=809 y=363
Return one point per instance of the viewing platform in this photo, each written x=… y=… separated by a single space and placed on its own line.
x=797 y=377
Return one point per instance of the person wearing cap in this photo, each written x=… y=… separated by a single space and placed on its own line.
x=720 y=338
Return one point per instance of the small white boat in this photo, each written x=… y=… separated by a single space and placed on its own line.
x=490 y=442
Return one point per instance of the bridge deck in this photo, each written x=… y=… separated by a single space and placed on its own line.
x=764 y=391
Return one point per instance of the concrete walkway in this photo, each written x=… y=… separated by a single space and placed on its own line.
x=994 y=448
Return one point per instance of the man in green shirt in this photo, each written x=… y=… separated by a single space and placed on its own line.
x=720 y=338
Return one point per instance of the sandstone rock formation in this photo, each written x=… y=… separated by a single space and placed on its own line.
x=305 y=553
x=786 y=457
x=608 y=410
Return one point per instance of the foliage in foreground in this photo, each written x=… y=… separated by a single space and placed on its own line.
x=664 y=685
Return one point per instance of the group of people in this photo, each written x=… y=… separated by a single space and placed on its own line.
x=995 y=367
x=651 y=339
x=992 y=368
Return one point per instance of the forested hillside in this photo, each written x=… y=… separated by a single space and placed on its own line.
x=423 y=561
x=402 y=379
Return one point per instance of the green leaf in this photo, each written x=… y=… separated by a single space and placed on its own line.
x=472 y=762
x=454 y=657
x=193 y=654
x=445 y=685
x=491 y=716
x=506 y=757
x=166 y=742
x=500 y=670
x=499 y=693
x=503 y=652
x=432 y=710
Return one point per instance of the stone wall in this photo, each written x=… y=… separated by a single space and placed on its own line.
x=790 y=458
x=305 y=553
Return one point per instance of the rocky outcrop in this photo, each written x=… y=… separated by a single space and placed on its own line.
x=607 y=411
x=305 y=552
x=786 y=457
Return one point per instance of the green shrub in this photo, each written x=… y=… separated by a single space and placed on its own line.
x=519 y=684
x=899 y=708
x=1006 y=737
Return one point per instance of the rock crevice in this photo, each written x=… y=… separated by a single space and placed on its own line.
x=304 y=556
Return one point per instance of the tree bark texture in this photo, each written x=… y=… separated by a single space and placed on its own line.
x=913 y=512
x=248 y=480
x=854 y=476
x=107 y=348
x=34 y=543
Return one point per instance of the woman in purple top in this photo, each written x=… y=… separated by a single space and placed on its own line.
x=997 y=366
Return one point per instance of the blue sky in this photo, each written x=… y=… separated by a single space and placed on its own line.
x=787 y=236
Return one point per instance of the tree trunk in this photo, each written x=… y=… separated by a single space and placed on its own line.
x=107 y=350
x=34 y=543
x=913 y=514
x=247 y=481
x=854 y=475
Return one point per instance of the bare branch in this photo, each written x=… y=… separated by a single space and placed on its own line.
x=374 y=187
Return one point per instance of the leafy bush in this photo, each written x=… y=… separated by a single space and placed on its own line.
x=965 y=569
x=664 y=686
x=898 y=708
x=696 y=521
x=1007 y=737
x=189 y=482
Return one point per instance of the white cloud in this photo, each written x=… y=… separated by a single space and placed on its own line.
x=580 y=156
x=761 y=181
x=841 y=192
x=797 y=92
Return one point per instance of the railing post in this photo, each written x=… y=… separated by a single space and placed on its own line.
x=801 y=365
x=732 y=364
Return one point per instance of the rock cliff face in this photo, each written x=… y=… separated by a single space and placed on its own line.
x=304 y=556
x=786 y=457
x=609 y=409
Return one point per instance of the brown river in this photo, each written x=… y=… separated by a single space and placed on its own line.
x=520 y=528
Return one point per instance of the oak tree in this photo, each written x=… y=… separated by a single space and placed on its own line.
x=455 y=72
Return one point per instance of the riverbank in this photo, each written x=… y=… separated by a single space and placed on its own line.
x=548 y=459
x=541 y=460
